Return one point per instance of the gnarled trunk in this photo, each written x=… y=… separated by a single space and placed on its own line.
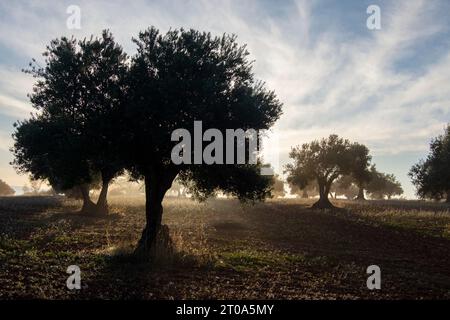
x=323 y=202
x=360 y=194
x=156 y=186
x=305 y=194
x=88 y=205
x=102 y=202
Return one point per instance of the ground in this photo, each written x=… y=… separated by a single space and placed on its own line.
x=221 y=249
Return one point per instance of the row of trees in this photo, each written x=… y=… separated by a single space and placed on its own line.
x=100 y=112
x=379 y=186
x=337 y=166
x=431 y=176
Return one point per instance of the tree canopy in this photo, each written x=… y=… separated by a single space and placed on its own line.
x=71 y=140
x=383 y=185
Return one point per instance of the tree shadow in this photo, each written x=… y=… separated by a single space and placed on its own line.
x=340 y=236
x=125 y=274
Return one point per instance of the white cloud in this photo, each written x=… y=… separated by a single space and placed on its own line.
x=328 y=83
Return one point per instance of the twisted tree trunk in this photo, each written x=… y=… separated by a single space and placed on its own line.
x=323 y=202
x=88 y=205
x=156 y=186
x=102 y=202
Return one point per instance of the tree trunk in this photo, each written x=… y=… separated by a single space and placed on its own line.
x=156 y=186
x=360 y=194
x=448 y=197
x=102 y=202
x=88 y=205
x=323 y=202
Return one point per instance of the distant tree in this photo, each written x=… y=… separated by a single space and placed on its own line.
x=305 y=192
x=178 y=188
x=25 y=189
x=383 y=185
x=322 y=161
x=360 y=168
x=5 y=189
x=175 y=79
x=77 y=95
x=35 y=186
x=393 y=187
x=125 y=185
x=277 y=186
x=431 y=176
x=345 y=186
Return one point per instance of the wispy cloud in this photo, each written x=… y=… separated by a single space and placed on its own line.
x=387 y=88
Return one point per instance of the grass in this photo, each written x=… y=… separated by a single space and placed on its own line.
x=224 y=250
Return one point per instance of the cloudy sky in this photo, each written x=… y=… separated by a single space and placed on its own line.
x=388 y=88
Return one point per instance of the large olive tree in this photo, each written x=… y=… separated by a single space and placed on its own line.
x=178 y=78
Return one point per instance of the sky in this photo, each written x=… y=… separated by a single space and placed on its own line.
x=386 y=88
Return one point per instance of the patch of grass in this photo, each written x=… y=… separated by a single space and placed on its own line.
x=9 y=244
x=422 y=220
x=253 y=260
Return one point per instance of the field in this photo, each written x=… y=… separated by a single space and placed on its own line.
x=221 y=249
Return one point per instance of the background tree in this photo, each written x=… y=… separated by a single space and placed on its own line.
x=105 y=69
x=393 y=187
x=322 y=161
x=25 y=189
x=125 y=185
x=174 y=80
x=47 y=151
x=345 y=186
x=277 y=186
x=178 y=189
x=5 y=189
x=383 y=185
x=360 y=167
x=77 y=96
x=309 y=191
x=35 y=186
x=431 y=176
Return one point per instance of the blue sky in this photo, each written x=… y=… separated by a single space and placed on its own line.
x=388 y=88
